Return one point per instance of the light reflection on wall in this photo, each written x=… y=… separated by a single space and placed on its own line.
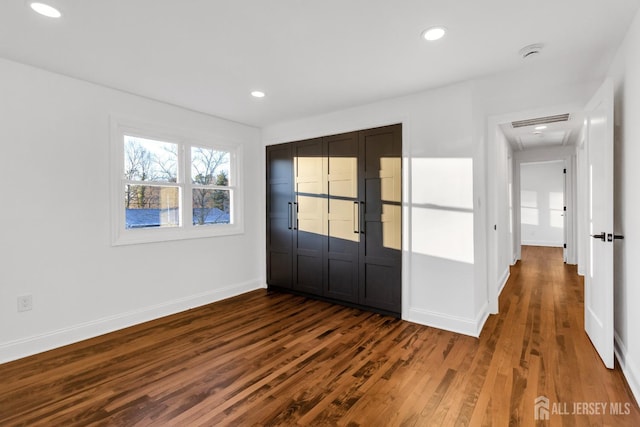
x=556 y=210
x=542 y=203
x=529 y=207
x=442 y=208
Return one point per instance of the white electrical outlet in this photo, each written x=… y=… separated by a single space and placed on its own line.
x=25 y=303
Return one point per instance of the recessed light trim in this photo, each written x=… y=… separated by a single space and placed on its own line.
x=434 y=33
x=45 y=10
x=258 y=94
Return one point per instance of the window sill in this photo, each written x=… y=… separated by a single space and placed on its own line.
x=156 y=235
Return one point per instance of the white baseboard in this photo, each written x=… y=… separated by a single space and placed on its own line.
x=460 y=325
x=629 y=367
x=542 y=243
x=28 y=346
x=503 y=280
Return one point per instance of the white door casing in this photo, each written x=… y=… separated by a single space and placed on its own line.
x=565 y=223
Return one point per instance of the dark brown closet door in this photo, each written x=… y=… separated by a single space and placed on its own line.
x=280 y=215
x=310 y=207
x=381 y=196
x=343 y=235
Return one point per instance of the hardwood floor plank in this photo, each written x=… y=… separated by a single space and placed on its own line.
x=274 y=359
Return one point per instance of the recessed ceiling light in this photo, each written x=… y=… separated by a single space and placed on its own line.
x=434 y=33
x=46 y=10
x=257 y=94
x=540 y=127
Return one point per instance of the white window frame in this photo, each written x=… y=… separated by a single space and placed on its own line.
x=121 y=127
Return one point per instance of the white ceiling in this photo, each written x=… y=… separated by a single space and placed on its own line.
x=309 y=56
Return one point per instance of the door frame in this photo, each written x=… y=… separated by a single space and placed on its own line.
x=495 y=279
x=542 y=158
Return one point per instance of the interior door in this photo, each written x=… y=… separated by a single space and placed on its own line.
x=598 y=306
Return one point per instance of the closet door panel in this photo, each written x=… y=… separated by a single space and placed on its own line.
x=343 y=217
x=381 y=187
x=279 y=215
x=309 y=208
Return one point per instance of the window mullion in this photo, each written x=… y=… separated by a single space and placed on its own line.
x=213 y=187
x=185 y=179
x=150 y=183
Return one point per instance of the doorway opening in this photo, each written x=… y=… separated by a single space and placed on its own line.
x=589 y=235
x=541 y=211
x=542 y=204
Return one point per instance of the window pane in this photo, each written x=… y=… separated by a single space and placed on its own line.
x=209 y=167
x=211 y=206
x=151 y=206
x=149 y=160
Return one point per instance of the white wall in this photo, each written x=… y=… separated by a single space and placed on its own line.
x=568 y=156
x=441 y=276
x=541 y=203
x=625 y=72
x=55 y=242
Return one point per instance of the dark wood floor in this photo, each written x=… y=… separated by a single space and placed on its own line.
x=275 y=359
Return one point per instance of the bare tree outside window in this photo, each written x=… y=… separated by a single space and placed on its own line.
x=138 y=167
x=209 y=171
x=148 y=163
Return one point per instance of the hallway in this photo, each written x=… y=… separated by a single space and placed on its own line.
x=541 y=349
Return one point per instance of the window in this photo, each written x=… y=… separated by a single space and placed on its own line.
x=169 y=186
x=211 y=194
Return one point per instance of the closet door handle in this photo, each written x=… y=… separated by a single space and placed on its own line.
x=290 y=215
x=356 y=217
x=295 y=215
x=362 y=218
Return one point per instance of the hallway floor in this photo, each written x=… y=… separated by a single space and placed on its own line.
x=542 y=350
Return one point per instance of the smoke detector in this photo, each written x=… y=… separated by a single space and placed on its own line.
x=531 y=50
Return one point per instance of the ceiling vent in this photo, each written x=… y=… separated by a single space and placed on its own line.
x=530 y=51
x=541 y=121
